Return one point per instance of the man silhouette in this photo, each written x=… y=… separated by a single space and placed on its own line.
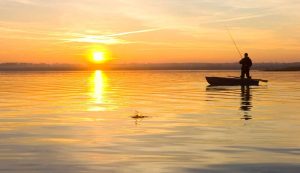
x=246 y=65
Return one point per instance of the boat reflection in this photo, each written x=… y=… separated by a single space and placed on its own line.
x=246 y=102
x=243 y=93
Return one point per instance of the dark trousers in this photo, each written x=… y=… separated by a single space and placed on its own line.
x=246 y=72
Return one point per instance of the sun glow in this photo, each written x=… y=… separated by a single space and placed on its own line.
x=98 y=57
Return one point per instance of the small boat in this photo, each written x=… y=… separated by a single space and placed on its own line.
x=231 y=81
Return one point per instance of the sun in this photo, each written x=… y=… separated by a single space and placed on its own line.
x=98 y=57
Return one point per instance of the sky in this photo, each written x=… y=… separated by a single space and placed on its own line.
x=149 y=31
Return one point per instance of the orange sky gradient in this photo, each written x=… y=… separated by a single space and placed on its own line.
x=143 y=31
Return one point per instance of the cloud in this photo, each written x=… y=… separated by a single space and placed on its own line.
x=238 y=18
x=133 y=32
x=96 y=39
x=27 y=2
x=109 y=38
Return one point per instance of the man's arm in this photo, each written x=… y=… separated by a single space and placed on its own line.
x=241 y=61
x=250 y=62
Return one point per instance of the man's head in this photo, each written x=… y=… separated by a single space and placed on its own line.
x=246 y=54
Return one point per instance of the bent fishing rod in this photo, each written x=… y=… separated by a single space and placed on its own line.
x=234 y=42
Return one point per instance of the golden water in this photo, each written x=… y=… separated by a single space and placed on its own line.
x=71 y=122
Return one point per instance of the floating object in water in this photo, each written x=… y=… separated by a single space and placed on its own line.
x=246 y=118
x=231 y=81
x=138 y=115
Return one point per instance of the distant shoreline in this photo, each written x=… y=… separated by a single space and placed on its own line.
x=154 y=66
x=297 y=68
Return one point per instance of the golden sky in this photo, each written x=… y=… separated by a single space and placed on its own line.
x=149 y=31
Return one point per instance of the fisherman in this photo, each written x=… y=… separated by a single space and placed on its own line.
x=246 y=65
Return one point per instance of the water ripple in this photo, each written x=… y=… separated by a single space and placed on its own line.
x=81 y=122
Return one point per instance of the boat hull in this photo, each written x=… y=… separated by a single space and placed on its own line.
x=226 y=81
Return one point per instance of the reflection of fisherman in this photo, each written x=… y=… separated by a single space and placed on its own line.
x=246 y=65
x=246 y=103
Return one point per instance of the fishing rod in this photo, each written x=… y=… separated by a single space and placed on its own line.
x=236 y=46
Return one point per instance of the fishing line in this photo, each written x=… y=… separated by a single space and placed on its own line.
x=236 y=46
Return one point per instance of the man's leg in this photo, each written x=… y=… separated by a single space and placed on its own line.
x=242 y=73
x=248 y=73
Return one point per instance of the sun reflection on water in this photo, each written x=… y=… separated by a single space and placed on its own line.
x=97 y=85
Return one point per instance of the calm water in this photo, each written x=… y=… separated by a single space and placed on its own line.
x=73 y=122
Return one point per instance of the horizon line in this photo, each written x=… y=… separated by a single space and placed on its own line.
x=137 y=63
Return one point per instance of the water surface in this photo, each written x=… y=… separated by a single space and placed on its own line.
x=81 y=122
